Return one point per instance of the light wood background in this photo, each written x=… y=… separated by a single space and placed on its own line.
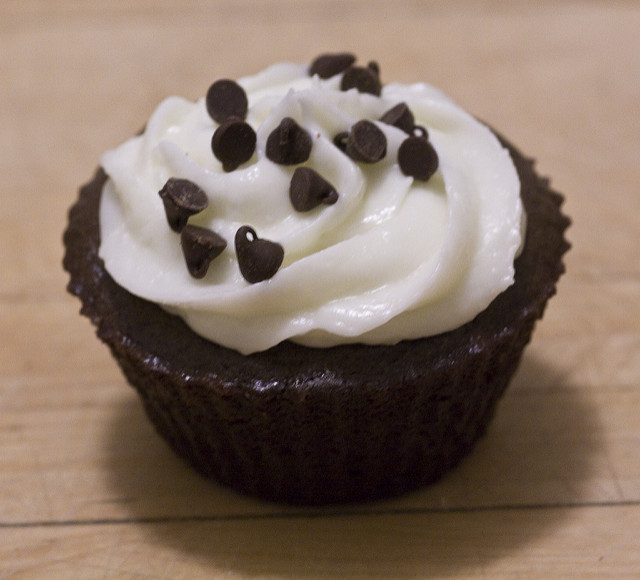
x=87 y=490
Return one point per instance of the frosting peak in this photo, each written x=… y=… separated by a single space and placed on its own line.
x=390 y=254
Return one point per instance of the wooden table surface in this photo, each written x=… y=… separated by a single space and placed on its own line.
x=87 y=489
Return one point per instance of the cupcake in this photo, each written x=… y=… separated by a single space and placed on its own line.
x=320 y=285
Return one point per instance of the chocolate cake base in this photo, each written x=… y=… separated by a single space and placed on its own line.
x=316 y=426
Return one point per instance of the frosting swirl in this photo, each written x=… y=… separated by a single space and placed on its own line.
x=392 y=258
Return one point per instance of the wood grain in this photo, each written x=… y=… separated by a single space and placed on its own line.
x=87 y=489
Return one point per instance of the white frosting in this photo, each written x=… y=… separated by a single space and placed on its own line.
x=393 y=259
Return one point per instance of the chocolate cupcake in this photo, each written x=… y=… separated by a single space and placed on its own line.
x=297 y=282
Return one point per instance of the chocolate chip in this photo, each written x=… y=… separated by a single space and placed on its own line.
x=309 y=189
x=258 y=259
x=420 y=131
x=288 y=143
x=328 y=65
x=340 y=140
x=181 y=198
x=200 y=247
x=417 y=158
x=364 y=79
x=374 y=66
x=366 y=143
x=233 y=143
x=401 y=117
x=226 y=99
